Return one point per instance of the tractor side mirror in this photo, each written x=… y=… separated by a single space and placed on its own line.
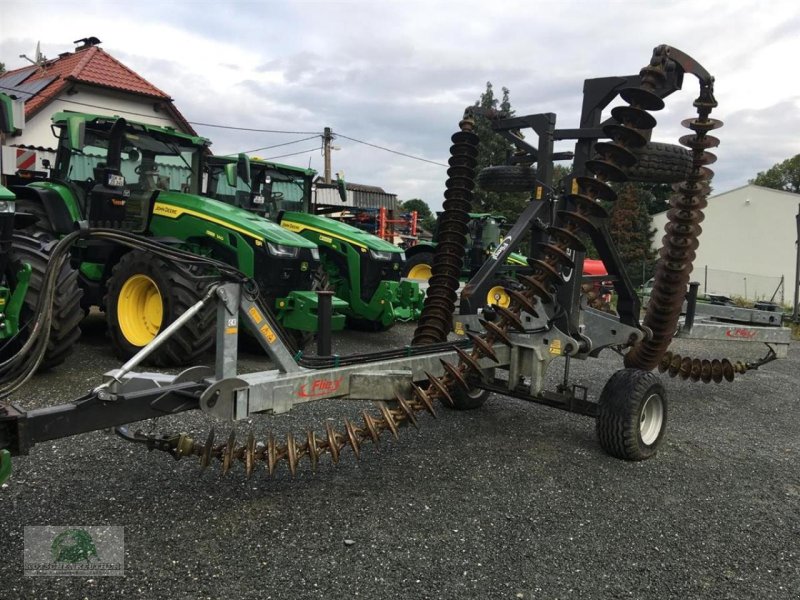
x=243 y=168
x=341 y=187
x=230 y=174
x=76 y=133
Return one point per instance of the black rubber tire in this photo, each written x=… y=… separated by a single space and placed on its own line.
x=43 y=224
x=180 y=288
x=420 y=258
x=660 y=163
x=507 y=178
x=467 y=401
x=620 y=413
x=67 y=313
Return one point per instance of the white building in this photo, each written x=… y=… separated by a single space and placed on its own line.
x=87 y=80
x=747 y=244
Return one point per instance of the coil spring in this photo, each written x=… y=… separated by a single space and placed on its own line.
x=698 y=369
x=683 y=228
x=435 y=321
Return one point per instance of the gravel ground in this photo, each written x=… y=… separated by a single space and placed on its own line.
x=513 y=501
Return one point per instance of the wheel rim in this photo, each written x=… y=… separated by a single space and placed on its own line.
x=422 y=272
x=140 y=310
x=652 y=419
x=498 y=295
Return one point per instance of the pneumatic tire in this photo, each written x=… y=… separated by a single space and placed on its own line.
x=660 y=163
x=507 y=178
x=471 y=400
x=632 y=415
x=67 y=313
x=419 y=266
x=146 y=294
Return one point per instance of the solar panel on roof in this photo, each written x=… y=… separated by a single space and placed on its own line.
x=14 y=79
x=25 y=90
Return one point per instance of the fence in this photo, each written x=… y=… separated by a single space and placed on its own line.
x=746 y=285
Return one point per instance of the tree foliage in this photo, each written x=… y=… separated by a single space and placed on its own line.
x=632 y=230
x=425 y=216
x=495 y=150
x=2 y=68
x=782 y=176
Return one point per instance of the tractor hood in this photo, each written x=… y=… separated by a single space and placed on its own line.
x=298 y=221
x=173 y=205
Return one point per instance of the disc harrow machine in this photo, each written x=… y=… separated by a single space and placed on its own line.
x=502 y=349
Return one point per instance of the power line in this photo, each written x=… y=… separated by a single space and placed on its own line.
x=433 y=162
x=130 y=112
x=284 y=144
x=292 y=154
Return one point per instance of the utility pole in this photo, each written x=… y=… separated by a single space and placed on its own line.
x=327 y=137
x=796 y=307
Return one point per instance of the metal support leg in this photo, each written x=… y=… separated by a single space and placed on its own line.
x=227 y=330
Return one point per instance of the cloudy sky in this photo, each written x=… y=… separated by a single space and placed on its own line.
x=399 y=73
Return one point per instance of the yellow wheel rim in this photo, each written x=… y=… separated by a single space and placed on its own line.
x=139 y=310
x=497 y=295
x=422 y=272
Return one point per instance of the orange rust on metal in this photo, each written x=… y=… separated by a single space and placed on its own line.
x=511 y=318
x=482 y=346
x=388 y=418
x=409 y=413
x=470 y=361
x=523 y=302
x=495 y=332
x=440 y=387
x=352 y=437
x=333 y=443
x=456 y=374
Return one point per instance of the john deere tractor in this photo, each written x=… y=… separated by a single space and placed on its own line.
x=361 y=268
x=23 y=262
x=145 y=179
x=483 y=236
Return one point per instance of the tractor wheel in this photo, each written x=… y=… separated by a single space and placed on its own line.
x=467 y=400
x=507 y=178
x=67 y=313
x=145 y=294
x=43 y=224
x=419 y=267
x=660 y=163
x=632 y=417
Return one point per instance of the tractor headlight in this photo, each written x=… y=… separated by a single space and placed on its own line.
x=282 y=251
x=315 y=253
x=377 y=255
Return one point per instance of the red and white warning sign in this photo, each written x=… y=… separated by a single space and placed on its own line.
x=26 y=159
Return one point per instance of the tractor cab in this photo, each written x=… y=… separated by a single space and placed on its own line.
x=264 y=188
x=116 y=168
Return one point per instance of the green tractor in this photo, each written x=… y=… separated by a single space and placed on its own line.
x=361 y=268
x=23 y=262
x=483 y=237
x=144 y=179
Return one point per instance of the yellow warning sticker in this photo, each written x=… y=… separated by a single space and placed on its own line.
x=538 y=192
x=255 y=314
x=575 y=186
x=555 y=347
x=268 y=334
x=459 y=328
x=231 y=330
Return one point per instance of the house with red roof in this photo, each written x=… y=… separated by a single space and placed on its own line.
x=86 y=80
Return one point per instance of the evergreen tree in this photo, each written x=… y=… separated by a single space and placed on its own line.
x=632 y=230
x=425 y=218
x=495 y=150
x=782 y=176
